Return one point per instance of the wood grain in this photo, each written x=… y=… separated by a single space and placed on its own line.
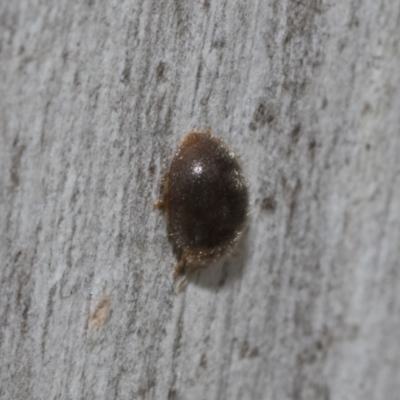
x=94 y=100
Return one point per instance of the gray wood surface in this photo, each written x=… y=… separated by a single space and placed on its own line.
x=94 y=100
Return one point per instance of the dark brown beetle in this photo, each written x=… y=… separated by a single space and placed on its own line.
x=205 y=202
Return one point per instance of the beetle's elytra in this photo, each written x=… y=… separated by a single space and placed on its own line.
x=205 y=201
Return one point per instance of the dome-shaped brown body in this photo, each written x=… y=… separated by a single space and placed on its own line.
x=206 y=200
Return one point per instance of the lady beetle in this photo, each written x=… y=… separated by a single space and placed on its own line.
x=205 y=202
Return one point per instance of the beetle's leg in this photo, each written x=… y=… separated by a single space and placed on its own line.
x=180 y=267
x=159 y=204
x=182 y=283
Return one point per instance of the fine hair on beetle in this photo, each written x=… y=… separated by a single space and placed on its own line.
x=205 y=201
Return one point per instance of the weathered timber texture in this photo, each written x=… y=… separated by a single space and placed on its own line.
x=94 y=100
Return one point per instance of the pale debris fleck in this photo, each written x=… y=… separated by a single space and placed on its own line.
x=100 y=313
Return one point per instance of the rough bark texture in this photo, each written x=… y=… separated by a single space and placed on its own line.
x=94 y=99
